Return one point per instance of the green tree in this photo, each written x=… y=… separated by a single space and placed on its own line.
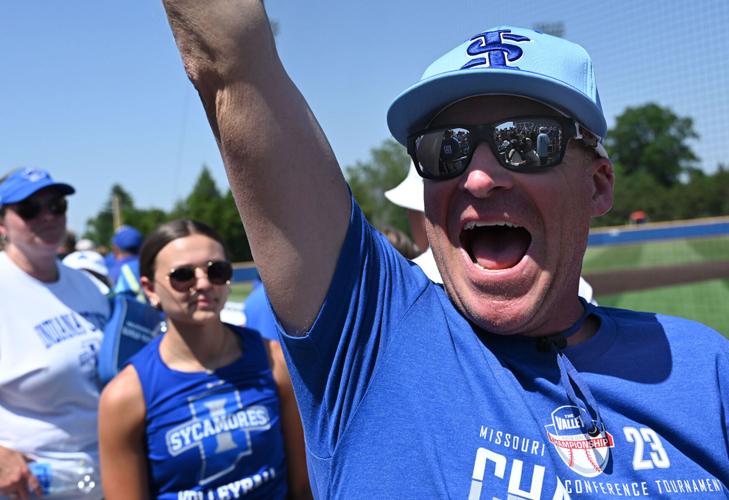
x=101 y=227
x=146 y=220
x=205 y=203
x=703 y=195
x=387 y=167
x=205 y=200
x=232 y=231
x=654 y=140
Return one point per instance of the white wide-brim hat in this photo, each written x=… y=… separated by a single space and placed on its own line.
x=87 y=259
x=409 y=193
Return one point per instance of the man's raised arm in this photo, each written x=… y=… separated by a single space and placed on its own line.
x=286 y=181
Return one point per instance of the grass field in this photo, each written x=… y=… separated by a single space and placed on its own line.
x=613 y=257
x=706 y=301
x=239 y=291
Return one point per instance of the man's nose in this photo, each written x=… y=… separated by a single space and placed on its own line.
x=484 y=174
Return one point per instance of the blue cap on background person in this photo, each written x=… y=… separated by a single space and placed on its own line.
x=25 y=182
x=127 y=238
x=504 y=60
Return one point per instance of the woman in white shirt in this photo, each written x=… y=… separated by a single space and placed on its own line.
x=51 y=320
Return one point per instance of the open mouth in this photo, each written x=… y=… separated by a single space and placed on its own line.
x=495 y=245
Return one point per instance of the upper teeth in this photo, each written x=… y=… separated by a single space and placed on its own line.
x=475 y=224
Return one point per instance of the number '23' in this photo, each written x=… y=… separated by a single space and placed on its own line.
x=657 y=456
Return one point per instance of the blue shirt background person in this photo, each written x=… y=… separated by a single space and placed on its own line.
x=124 y=272
x=258 y=312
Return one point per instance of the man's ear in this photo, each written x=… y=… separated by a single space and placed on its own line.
x=603 y=182
x=148 y=287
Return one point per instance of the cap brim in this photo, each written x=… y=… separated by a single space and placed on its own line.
x=415 y=108
x=64 y=189
x=31 y=189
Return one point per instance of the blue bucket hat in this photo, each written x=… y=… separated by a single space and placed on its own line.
x=505 y=60
x=127 y=238
x=25 y=182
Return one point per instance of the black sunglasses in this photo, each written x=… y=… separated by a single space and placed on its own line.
x=183 y=278
x=30 y=209
x=524 y=144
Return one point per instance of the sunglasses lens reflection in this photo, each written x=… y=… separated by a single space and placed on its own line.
x=519 y=144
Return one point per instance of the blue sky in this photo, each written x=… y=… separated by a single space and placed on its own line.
x=95 y=92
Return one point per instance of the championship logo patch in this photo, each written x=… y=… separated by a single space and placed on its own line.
x=584 y=454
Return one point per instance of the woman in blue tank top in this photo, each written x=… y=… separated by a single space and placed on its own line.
x=206 y=410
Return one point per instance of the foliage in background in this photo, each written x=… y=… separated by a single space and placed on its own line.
x=386 y=168
x=101 y=228
x=653 y=140
x=205 y=203
x=655 y=169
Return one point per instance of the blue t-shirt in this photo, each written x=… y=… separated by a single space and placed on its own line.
x=116 y=265
x=213 y=435
x=401 y=397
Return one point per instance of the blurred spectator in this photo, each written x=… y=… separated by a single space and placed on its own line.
x=258 y=312
x=401 y=242
x=409 y=195
x=86 y=244
x=51 y=320
x=530 y=156
x=124 y=273
x=543 y=145
x=638 y=217
x=68 y=244
x=514 y=156
x=93 y=264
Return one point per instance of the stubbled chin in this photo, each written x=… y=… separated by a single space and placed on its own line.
x=512 y=318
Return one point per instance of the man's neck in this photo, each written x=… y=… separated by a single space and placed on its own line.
x=588 y=330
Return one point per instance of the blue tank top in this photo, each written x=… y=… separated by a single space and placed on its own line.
x=213 y=435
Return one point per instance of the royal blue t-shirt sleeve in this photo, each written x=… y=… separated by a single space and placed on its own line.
x=333 y=365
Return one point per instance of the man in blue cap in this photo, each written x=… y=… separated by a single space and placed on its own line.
x=501 y=383
x=124 y=272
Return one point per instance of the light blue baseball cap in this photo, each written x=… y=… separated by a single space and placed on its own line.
x=504 y=60
x=24 y=182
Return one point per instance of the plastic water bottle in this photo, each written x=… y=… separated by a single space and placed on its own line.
x=65 y=477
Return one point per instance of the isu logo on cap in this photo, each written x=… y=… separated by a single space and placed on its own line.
x=498 y=53
x=585 y=454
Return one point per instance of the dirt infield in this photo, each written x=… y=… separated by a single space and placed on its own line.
x=612 y=282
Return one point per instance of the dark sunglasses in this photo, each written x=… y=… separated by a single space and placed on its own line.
x=183 y=278
x=525 y=144
x=30 y=209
